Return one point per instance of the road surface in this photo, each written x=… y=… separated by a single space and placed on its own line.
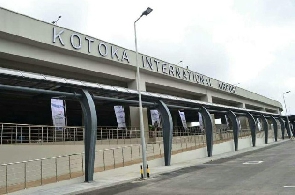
x=270 y=170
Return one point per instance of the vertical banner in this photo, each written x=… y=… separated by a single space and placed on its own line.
x=120 y=115
x=201 y=121
x=155 y=116
x=227 y=123
x=258 y=124
x=182 y=117
x=239 y=123
x=58 y=113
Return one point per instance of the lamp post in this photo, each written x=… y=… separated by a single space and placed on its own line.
x=143 y=145
x=286 y=108
x=55 y=22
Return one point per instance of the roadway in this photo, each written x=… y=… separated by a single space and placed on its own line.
x=272 y=173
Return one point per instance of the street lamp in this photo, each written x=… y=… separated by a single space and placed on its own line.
x=286 y=108
x=182 y=62
x=143 y=145
x=55 y=22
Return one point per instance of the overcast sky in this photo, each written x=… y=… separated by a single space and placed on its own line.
x=248 y=42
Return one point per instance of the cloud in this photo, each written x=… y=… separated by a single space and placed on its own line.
x=249 y=42
x=74 y=13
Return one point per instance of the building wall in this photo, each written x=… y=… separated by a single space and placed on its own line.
x=44 y=48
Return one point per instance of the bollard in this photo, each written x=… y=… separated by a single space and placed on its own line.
x=141 y=172
x=147 y=171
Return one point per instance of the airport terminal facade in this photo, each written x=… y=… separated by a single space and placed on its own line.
x=32 y=46
x=40 y=62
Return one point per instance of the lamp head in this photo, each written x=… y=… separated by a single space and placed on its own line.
x=147 y=11
x=288 y=91
x=53 y=22
x=59 y=16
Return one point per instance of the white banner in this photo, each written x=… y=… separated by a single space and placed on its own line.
x=258 y=124
x=182 y=117
x=201 y=121
x=58 y=113
x=239 y=123
x=120 y=114
x=227 y=123
x=155 y=116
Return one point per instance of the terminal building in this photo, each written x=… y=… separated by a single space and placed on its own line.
x=41 y=62
x=28 y=45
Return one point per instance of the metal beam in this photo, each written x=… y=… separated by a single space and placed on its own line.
x=95 y=97
x=265 y=127
x=167 y=131
x=236 y=129
x=39 y=91
x=209 y=130
x=275 y=127
x=182 y=107
x=252 y=124
x=90 y=120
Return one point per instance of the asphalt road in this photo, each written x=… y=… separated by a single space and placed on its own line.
x=275 y=175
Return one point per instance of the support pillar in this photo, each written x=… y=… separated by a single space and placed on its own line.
x=282 y=127
x=265 y=128
x=167 y=125
x=275 y=127
x=90 y=120
x=235 y=124
x=252 y=125
x=209 y=130
x=292 y=123
x=207 y=98
x=134 y=111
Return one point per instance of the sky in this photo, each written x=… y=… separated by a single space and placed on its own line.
x=249 y=43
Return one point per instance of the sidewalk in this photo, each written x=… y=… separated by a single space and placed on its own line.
x=122 y=175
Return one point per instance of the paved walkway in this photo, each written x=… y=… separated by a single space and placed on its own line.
x=268 y=171
x=120 y=175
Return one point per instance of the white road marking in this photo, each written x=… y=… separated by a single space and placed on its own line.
x=289 y=186
x=252 y=162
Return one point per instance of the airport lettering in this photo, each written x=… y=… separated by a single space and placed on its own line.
x=227 y=87
x=112 y=52
x=102 y=49
x=174 y=71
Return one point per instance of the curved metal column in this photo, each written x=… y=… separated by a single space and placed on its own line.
x=90 y=120
x=292 y=127
x=167 y=125
x=209 y=130
x=275 y=127
x=282 y=127
x=288 y=128
x=252 y=127
x=265 y=128
x=235 y=123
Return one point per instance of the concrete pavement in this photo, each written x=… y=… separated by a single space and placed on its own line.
x=122 y=175
x=268 y=170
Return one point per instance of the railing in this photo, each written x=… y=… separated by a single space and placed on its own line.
x=25 y=174
x=11 y=133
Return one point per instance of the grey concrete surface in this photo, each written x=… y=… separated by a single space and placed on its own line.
x=275 y=175
x=130 y=173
